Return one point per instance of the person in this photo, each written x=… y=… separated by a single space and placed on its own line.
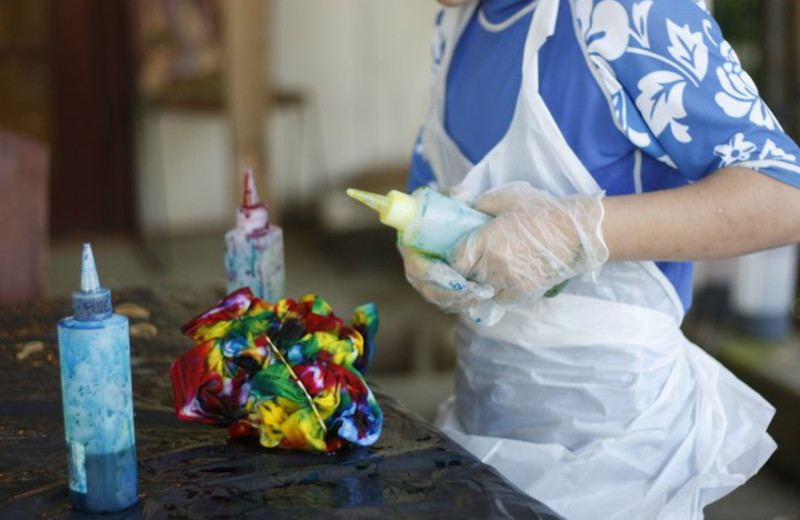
x=614 y=141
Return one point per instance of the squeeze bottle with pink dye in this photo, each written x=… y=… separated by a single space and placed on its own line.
x=254 y=249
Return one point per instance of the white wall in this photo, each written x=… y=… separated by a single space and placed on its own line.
x=364 y=66
x=183 y=160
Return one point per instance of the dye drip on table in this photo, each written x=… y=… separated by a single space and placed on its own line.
x=254 y=249
x=94 y=354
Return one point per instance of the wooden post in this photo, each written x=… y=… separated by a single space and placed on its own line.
x=793 y=68
x=775 y=57
x=246 y=86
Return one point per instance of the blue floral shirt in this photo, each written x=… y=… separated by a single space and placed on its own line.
x=647 y=93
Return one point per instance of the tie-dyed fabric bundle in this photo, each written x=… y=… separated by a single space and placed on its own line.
x=289 y=373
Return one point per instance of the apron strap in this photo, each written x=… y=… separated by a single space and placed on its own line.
x=542 y=26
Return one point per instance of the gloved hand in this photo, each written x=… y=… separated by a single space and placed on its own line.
x=534 y=242
x=439 y=283
x=443 y=286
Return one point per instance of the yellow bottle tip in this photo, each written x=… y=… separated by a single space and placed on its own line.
x=379 y=203
x=395 y=209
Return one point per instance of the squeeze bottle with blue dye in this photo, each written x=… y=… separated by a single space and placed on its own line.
x=254 y=249
x=432 y=223
x=94 y=353
x=426 y=220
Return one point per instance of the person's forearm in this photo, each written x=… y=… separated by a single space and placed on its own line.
x=730 y=212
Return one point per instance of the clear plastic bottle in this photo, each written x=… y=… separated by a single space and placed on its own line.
x=433 y=223
x=426 y=220
x=254 y=249
x=94 y=354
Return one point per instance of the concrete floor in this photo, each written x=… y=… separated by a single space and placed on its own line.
x=347 y=269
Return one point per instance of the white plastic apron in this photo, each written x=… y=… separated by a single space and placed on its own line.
x=592 y=402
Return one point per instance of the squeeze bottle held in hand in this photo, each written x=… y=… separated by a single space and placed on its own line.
x=432 y=224
x=426 y=220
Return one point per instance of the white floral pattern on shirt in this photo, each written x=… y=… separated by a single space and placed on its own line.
x=736 y=150
x=677 y=88
x=739 y=96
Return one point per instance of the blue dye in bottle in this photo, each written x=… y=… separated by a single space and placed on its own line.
x=428 y=221
x=94 y=352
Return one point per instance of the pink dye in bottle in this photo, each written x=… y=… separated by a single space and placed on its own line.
x=254 y=249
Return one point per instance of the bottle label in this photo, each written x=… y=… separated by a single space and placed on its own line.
x=77 y=467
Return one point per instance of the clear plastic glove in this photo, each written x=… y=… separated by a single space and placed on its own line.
x=535 y=242
x=443 y=286
x=440 y=284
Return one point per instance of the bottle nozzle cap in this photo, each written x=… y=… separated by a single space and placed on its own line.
x=252 y=215
x=250 y=193
x=90 y=282
x=92 y=302
x=379 y=203
x=396 y=209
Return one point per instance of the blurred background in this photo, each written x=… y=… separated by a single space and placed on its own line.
x=128 y=123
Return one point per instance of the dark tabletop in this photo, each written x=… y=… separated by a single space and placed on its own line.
x=188 y=470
